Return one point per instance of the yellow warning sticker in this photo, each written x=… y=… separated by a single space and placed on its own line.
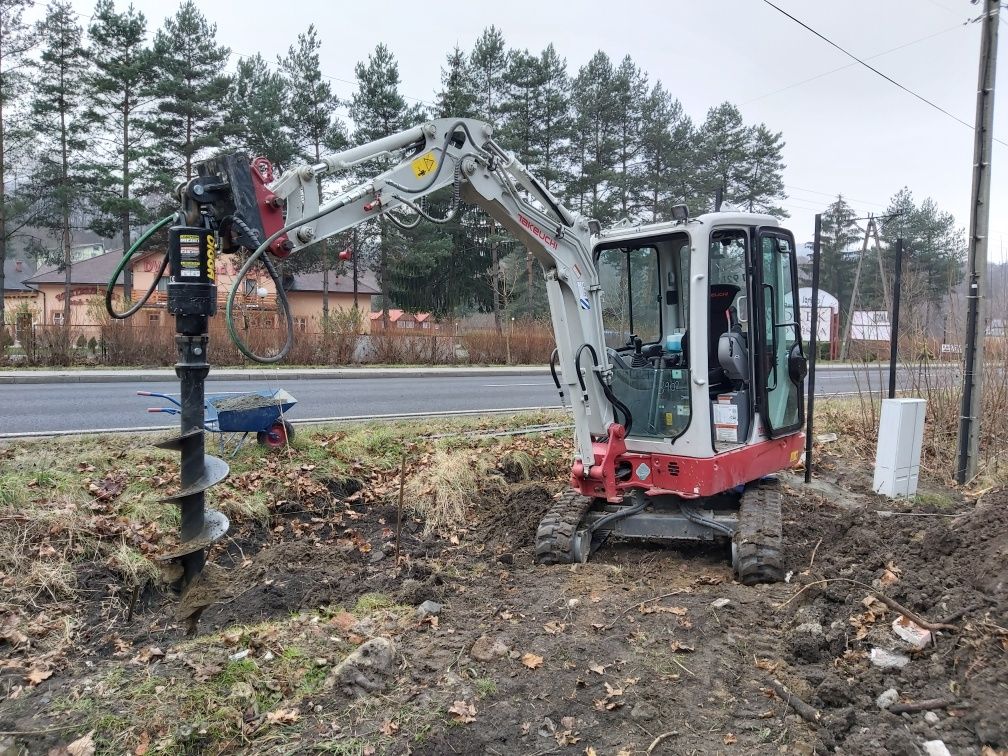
x=424 y=164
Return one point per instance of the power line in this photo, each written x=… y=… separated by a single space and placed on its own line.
x=851 y=65
x=874 y=70
x=834 y=194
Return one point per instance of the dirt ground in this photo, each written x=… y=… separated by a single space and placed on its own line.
x=645 y=649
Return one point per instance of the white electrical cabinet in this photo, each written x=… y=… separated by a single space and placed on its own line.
x=897 y=458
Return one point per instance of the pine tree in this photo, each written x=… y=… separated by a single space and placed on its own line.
x=259 y=101
x=629 y=93
x=934 y=250
x=311 y=105
x=840 y=234
x=668 y=164
x=593 y=101
x=120 y=86
x=16 y=40
x=761 y=181
x=489 y=63
x=379 y=110
x=62 y=128
x=457 y=96
x=192 y=91
x=551 y=139
x=721 y=153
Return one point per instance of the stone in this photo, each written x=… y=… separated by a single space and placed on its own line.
x=888 y=659
x=936 y=748
x=930 y=717
x=364 y=670
x=887 y=698
x=643 y=712
x=910 y=632
x=428 y=609
x=720 y=603
x=487 y=649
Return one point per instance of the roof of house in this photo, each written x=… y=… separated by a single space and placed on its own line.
x=14 y=278
x=98 y=270
x=338 y=284
x=393 y=315
x=94 y=270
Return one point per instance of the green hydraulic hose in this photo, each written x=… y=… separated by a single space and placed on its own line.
x=122 y=264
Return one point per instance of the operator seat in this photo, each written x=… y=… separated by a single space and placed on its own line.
x=719 y=322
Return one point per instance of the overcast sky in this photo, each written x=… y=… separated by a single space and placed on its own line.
x=847 y=131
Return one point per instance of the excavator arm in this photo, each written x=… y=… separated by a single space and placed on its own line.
x=462 y=154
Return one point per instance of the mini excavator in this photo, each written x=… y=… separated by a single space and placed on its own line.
x=678 y=344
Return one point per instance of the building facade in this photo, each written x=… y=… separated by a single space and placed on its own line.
x=45 y=293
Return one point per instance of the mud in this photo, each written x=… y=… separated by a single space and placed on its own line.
x=635 y=653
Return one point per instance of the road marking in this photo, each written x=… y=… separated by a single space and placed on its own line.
x=508 y=385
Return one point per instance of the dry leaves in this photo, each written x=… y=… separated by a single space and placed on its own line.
x=83 y=746
x=532 y=661
x=598 y=669
x=611 y=700
x=283 y=716
x=35 y=675
x=678 y=611
x=463 y=712
x=730 y=739
x=390 y=728
x=554 y=628
x=680 y=648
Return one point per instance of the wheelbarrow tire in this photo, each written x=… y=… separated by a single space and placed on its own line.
x=277 y=435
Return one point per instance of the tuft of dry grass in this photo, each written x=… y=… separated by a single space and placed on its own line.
x=447 y=484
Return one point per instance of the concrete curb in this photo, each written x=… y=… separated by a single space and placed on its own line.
x=286 y=374
x=126 y=375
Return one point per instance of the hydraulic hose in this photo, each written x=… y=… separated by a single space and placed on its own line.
x=281 y=296
x=616 y=403
x=137 y=245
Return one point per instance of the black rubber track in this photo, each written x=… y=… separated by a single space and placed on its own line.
x=759 y=540
x=555 y=536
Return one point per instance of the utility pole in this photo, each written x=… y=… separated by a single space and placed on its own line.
x=844 y=343
x=976 y=316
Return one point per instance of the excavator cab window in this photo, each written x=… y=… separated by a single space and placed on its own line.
x=645 y=298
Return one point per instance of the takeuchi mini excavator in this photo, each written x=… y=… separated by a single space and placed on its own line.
x=678 y=344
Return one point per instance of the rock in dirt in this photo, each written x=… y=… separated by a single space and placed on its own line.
x=912 y=633
x=887 y=698
x=428 y=609
x=643 y=712
x=486 y=649
x=720 y=603
x=936 y=748
x=365 y=669
x=931 y=718
x=888 y=659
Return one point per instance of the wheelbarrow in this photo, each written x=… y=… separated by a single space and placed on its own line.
x=233 y=415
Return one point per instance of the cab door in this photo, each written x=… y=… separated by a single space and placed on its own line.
x=780 y=365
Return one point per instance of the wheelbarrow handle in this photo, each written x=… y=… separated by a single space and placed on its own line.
x=167 y=410
x=166 y=397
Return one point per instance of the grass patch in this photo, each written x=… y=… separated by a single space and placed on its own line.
x=445 y=486
x=485 y=686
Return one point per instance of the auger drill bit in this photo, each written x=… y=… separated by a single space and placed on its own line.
x=192 y=298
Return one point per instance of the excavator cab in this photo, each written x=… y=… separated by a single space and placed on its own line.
x=703 y=338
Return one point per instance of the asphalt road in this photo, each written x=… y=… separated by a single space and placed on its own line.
x=39 y=408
